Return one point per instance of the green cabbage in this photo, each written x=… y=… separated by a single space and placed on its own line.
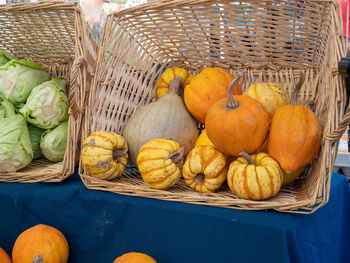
x=35 y=137
x=47 y=105
x=18 y=78
x=15 y=147
x=4 y=57
x=54 y=142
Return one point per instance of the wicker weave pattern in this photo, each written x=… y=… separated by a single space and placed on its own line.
x=52 y=34
x=265 y=40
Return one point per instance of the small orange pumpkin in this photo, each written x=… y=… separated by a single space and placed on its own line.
x=206 y=88
x=134 y=257
x=168 y=75
x=40 y=243
x=238 y=123
x=4 y=257
x=295 y=135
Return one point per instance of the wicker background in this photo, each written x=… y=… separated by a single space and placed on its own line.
x=52 y=34
x=265 y=40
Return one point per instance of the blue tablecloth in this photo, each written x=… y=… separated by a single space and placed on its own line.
x=100 y=226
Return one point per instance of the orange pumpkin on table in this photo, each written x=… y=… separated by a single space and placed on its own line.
x=295 y=135
x=134 y=257
x=4 y=258
x=206 y=88
x=40 y=244
x=238 y=123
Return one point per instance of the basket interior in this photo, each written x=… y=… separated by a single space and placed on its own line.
x=46 y=34
x=270 y=41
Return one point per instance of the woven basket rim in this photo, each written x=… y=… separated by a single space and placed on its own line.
x=163 y=4
x=39 y=5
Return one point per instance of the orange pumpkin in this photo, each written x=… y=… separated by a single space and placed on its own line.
x=40 y=243
x=134 y=257
x=295 y=135
x=4 y=258
x=238 y=123
x=206 y=88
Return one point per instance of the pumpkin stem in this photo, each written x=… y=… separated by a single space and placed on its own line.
x=38 y=259
x=231 y=102
x=298 y=87
x=116 y=153
x=175 y=85
x=176 y=156
x=247 y=157
x=199 y=178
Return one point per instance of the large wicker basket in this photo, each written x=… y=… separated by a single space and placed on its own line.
x=265 y=40
x=52 y=34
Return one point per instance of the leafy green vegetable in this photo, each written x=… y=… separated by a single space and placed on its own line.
x=18 y=78
x=47 y=105
x=54 y=142
x=4 y=57
x=35 y=138
x=15 y=147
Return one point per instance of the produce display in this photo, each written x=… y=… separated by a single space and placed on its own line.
x=33 y=114
x=40 y=244
x=134 y=257
x=257 y=140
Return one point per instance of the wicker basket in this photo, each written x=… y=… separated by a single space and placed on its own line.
x=52 y=34
x=265 y=40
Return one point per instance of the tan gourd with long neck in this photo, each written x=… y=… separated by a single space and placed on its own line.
x=165 y=118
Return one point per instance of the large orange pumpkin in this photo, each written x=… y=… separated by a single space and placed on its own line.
x=295 y=135
x=4 y=258
x=238 y=123
x=40 y=243
x=206 y=88
x=134 y=257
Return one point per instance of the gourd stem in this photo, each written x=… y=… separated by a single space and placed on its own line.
x=199 y=178
x=117 y=153
x=247 y=157
x=231 y=102
x=298 y=87
x=175 y=85
x=37 y=259
x=176 y=156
